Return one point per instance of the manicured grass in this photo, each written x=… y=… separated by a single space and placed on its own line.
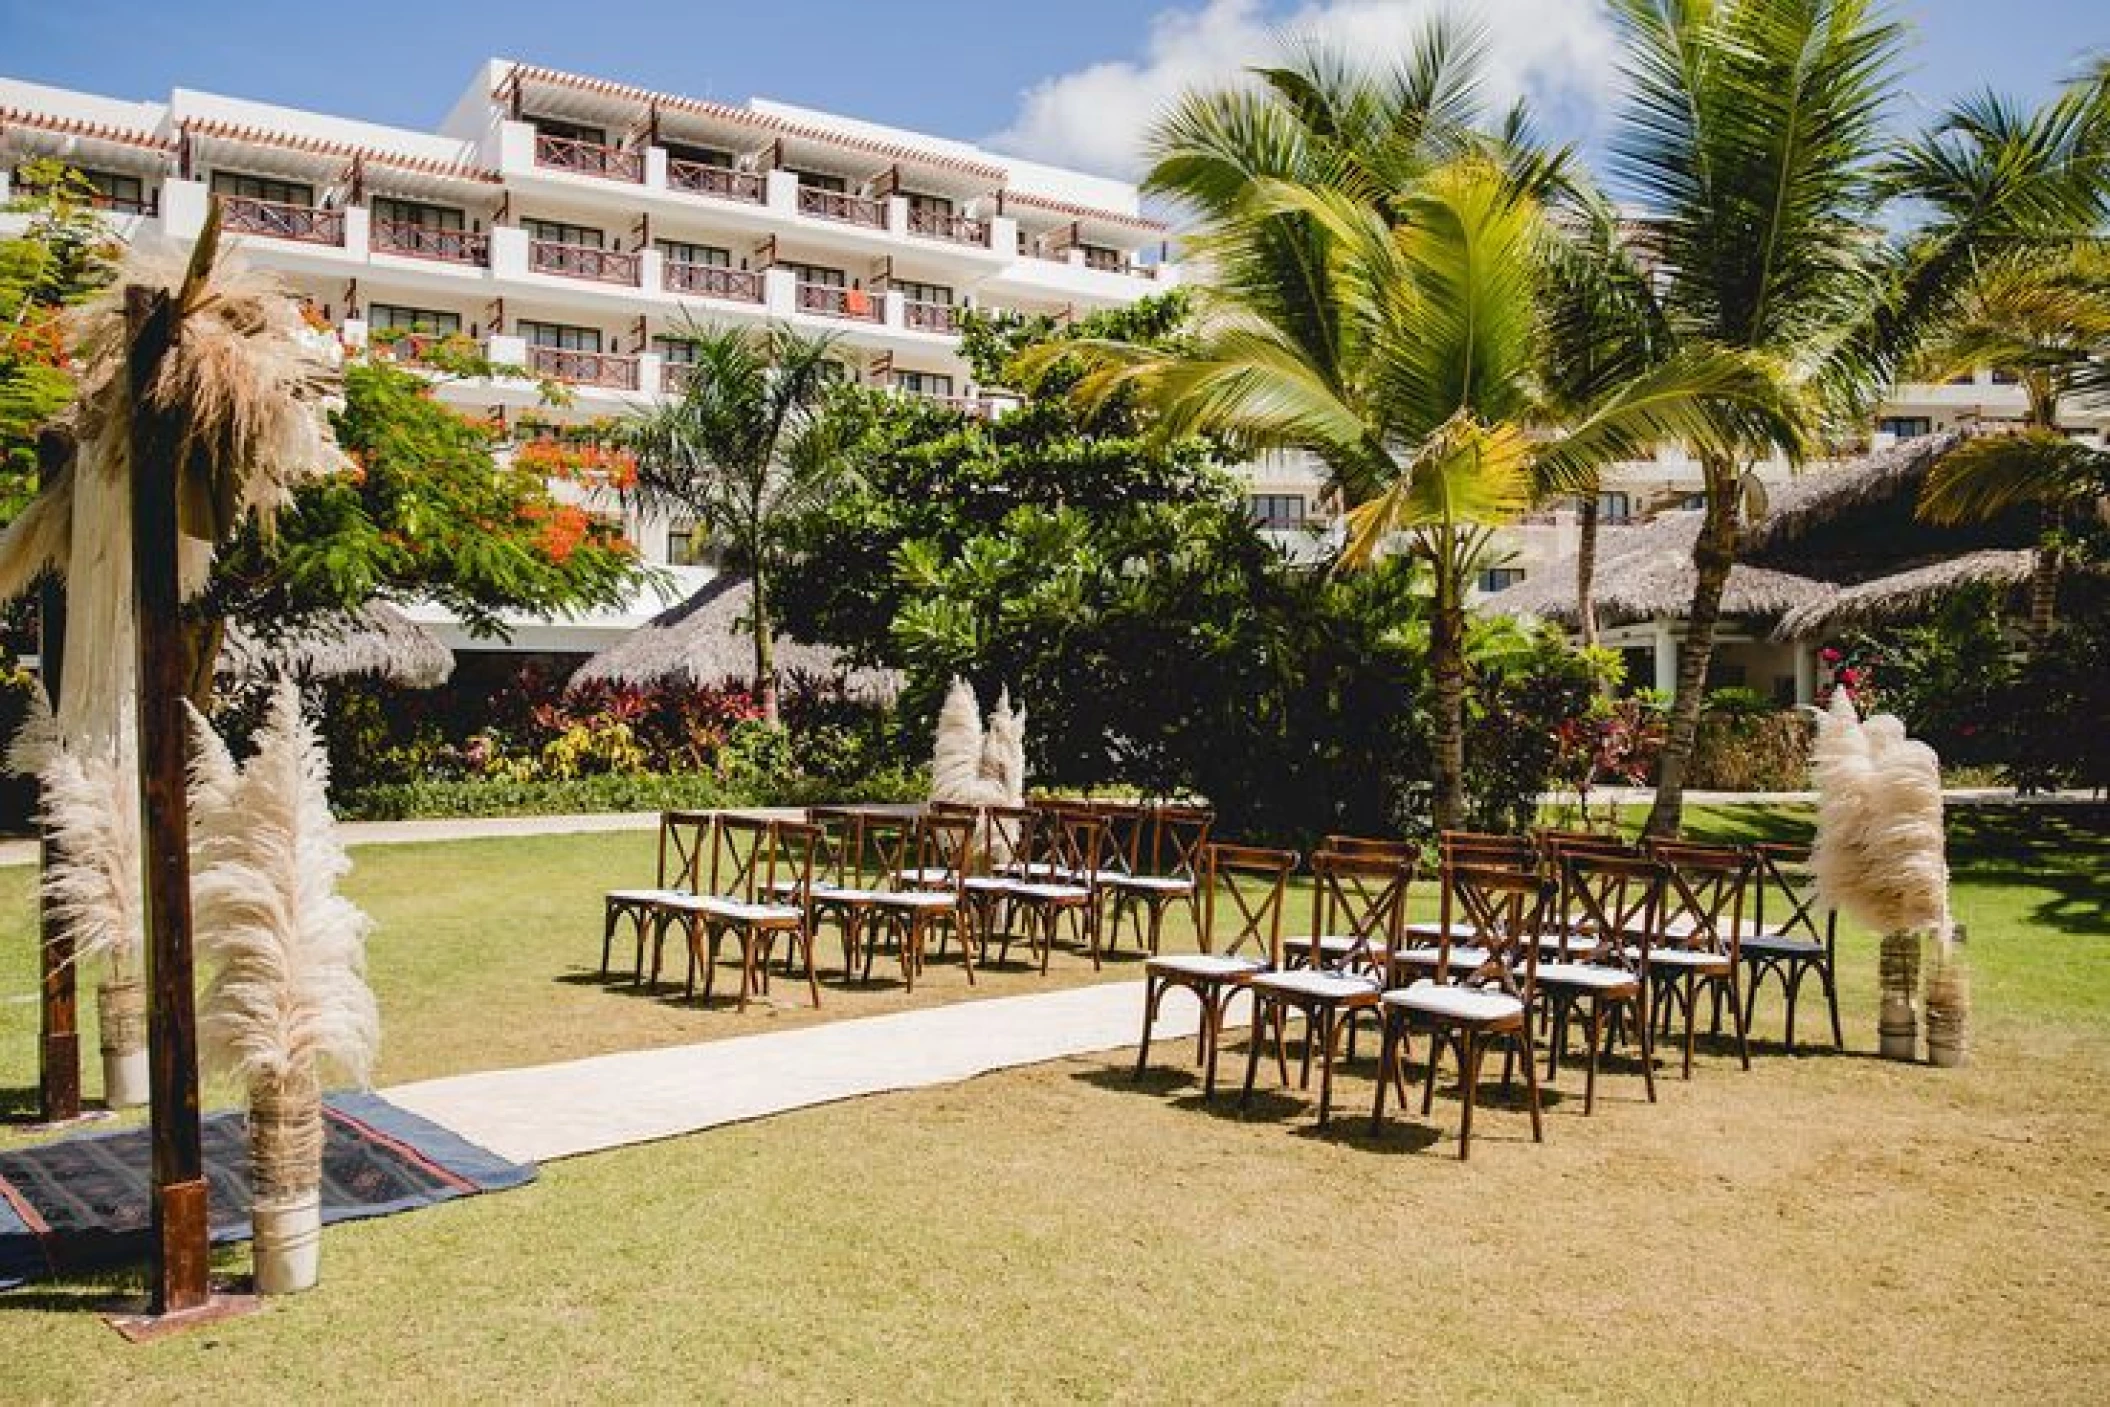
x=1821 y=1228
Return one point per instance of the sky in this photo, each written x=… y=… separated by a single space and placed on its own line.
x=1067 y=81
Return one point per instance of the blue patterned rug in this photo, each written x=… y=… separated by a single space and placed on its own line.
x=81 y=1203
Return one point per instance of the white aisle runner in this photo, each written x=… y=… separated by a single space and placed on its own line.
x=582 y=1106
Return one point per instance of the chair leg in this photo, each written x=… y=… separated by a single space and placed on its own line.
x=1252 y=1055
x=1692 y=1021
x=1648 y=1054
x=1153 y=989
x=1387 y=1069
x=1469 y=1067
x=1531 y=1078
x=1428 y=1088
x=804 y=938
x=1330 y=1030
x=962 y=920
x=1596 y=1038
x=1736 y=1014
x=607 y=936
x=1831 y=996
x=1213 y=1012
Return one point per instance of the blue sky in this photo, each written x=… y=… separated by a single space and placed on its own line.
x=1067 y=81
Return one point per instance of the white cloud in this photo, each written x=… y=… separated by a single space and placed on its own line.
x=1559 y=53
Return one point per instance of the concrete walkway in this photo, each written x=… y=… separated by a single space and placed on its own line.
x=583 y=1106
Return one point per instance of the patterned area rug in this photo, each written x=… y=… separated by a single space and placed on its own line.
x=81 y=1203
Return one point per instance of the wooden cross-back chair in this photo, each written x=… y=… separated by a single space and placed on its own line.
x=1702 y=938
x=1371 y=845
x=1471 y=1004
x=1611 y=919
x=1243 y=889
x=760 y=890
x=1421 y=940
x=1008 y=835
x=1162 y=874
x=922 y=890
x=685 y=837
x=857 y=851
x=1794 y=941
x=1336 y=973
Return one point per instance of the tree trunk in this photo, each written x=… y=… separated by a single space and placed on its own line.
x=202 y=639
x=765 y=652
x=2043 y=599
x=1447 y=665
x=1586 y=570
x=1713 y=554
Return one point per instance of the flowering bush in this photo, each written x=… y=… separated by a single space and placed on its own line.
x=590 y=464
x=1615 y=741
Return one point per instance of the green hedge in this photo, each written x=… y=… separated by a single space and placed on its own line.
x=408 y=801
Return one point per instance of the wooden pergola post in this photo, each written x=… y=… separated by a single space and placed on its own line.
x=59 y=1043
x=181 y=1252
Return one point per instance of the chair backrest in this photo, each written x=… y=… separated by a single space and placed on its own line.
x=1075 y=843
x=685 y=839
x=1506 y=909
x=794 y=849
x=745 y=850
x=1371 y=845
x=1126 y=835
x=881 y=846
x=945 y=843
x=1360 y=897
x=1178 y=838
x=1243 y=893
x=1784 y=875
x=1479 y=848
x=1611 y=907
x=1008 y=836
x=1560 y=842
x=1705 y=905
x=839 y=856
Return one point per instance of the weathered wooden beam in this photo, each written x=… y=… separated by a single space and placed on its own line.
x=181 y=1252
x=59 y=1044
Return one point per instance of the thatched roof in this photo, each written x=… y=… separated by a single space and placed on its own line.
x=1820 y=494
x=376 y=639
x=1905 y=594
x=1647 y=572
x=705 y=641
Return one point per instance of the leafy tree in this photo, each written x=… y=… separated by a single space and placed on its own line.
x=752 y=440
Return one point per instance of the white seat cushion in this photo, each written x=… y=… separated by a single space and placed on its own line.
x=988 y=884
x=1335 y=946
x=1324 y=986
x=830 y=894
x=1205 y=965
x=1058 y=893
x=913 y=899
x=1432 y=929
x=930 y=876
x=1465 y=959
x=1457 y=1003
x=1781 y=945
x=1148 y=883
x=646 y=896
x=1585 y=974
x=734 y=910
x=1682 y=958
x=1042 y=869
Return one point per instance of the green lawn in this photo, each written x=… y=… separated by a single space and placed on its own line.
x=1821 y=1228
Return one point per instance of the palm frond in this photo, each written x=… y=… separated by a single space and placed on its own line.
x=1988 y=475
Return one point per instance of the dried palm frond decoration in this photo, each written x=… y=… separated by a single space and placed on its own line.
x=250 y=384
x=1880 y=853
x=287 y=997
x=89 y=806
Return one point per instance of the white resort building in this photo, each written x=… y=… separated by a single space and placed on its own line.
x=575 y=227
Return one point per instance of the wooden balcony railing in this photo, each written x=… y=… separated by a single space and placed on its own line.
x=241 y=215
x=674 y=377
x=428 y=242
x=714 y=281
x=1106 y=261
x=930 y=317
x=840 y=205
x=416 y=348
x=611 y=369
x=588 y=158
x=852 y=303
x=583 y=261
x=702 y=178
x=938 y=224
x=147 y=204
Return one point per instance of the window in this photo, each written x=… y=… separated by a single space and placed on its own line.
x=923 y=383
x=1098 y=256
x=411 y=212
x=689 y=545
x=561 y=336
x=675 y=251
x=924 y=292
x=675 y=351
x=1277 y=512
x=937 y=206
x=570 y=131
x=2004 y=378
x=385 y=316
x=815 y=274
x=1494 y=579
x=1614 y=506
x=557 y=232
x=243 y=187
x=1905 y=427
x=702 y=156
x=115 y=192
x=819 y=181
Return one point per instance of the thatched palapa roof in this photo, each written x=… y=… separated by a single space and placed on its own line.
x=1646 y=572
x=377 y=639
x=706 y=641
x=1819 y=495
x=1905 y=594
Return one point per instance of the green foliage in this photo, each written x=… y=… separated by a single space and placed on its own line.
x=1520 y=698
x=646 y=791
x=1752 y=751
x=427 y=512
x=2059 y=716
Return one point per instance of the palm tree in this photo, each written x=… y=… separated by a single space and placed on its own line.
x=752 y=440
x=1375 y=299
x=2047 y=325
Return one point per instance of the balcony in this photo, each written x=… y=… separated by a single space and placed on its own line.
x=301 y=223
x=611 y=370
x=97 y=200
x=583 y=262
x=674 y=377
x=830 y=301
x=930 y=317
x=428 y=242
x=955 y=229
x=713 y=281
x=721 y=182
x=589 y=159
x=842 y=206
x=416 y=348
